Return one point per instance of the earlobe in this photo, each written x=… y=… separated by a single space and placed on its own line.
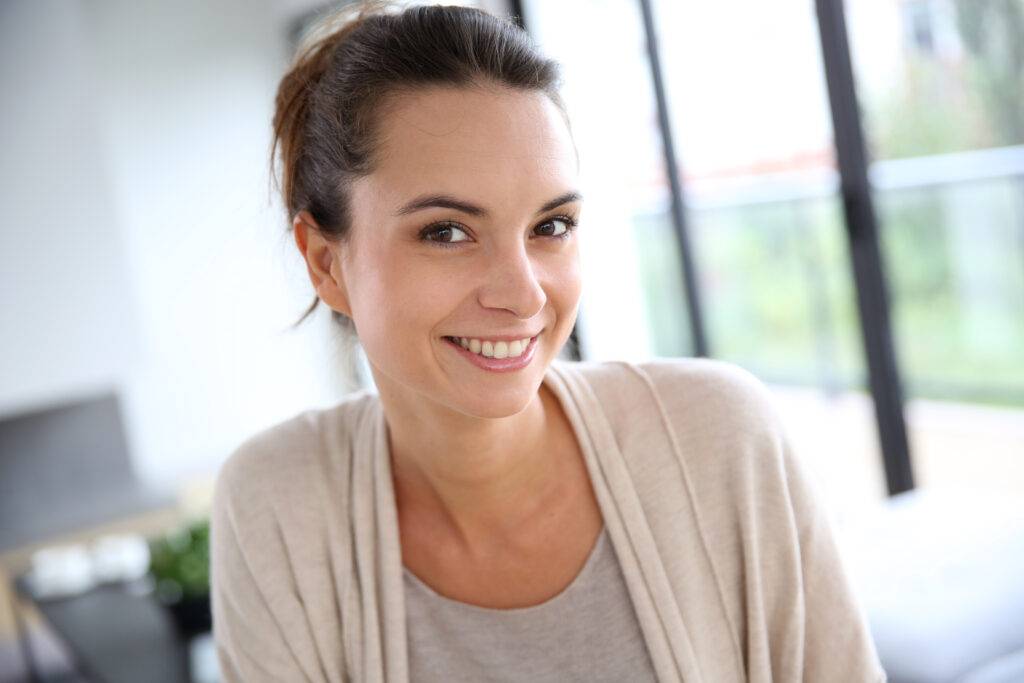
x=322 y=262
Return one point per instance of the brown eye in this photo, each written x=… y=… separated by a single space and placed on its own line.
x=445 y=233
x=556 y=227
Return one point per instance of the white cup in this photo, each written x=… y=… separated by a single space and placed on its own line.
x=120 y=557
x=60 y=571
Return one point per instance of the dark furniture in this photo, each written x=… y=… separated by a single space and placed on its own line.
x=119 y=633
x=67 y=467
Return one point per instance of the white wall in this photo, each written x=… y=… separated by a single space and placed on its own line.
x=139 y=247
x=65 y=305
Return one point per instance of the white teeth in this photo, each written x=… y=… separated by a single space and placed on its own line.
x=499 y=349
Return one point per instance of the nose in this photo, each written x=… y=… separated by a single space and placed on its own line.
x=511 y=283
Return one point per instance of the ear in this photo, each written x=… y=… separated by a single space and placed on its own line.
x=323 y=261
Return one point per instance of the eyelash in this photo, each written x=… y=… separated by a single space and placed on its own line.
x=570 y=227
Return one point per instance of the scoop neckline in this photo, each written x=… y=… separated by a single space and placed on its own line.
x=587 y=568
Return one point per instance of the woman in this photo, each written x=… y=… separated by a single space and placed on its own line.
x=490 y=512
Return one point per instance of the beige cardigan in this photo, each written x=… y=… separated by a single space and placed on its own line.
x=728 y=555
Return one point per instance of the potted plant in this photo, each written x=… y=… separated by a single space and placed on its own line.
x=180 y=567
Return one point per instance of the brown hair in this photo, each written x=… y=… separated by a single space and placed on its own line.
x=328 y=102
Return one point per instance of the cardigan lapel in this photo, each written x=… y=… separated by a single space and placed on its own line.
x=362 y=620
x=392 y=664
x=660 y=618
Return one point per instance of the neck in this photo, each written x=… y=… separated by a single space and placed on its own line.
x=481 y=479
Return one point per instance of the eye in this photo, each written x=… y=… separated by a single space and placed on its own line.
x=444 y=234
x=559 y=227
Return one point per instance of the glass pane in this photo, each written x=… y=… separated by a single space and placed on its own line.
x=945 y=122
x=938 y=76
x=750 y=112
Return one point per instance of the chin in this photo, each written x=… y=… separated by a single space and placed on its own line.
x=490 y=405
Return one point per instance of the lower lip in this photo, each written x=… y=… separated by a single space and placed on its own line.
x=497 y=364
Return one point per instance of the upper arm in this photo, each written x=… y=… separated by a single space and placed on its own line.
x=837 y=640
x=775 y=547
x=251 y=643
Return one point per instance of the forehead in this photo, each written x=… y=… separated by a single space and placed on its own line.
x=495 y=144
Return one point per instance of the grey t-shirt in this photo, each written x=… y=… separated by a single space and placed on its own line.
x=588 y=632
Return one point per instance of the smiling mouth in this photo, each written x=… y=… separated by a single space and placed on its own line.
x=493 y=349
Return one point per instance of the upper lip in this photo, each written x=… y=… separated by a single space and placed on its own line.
x=498 y=337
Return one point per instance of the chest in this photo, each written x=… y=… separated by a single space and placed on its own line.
x=534 y=565
x=508 y=578
x=589 y=631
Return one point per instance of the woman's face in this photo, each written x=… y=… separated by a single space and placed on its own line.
x=465 y=229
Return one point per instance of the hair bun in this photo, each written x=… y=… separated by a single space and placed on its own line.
x=311 y=61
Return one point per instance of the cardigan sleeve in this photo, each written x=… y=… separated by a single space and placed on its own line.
x=838 y=645
x=251 y=643
x=815 y=627
x=792 y=606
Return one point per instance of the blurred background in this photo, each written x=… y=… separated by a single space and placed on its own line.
x=829 y=196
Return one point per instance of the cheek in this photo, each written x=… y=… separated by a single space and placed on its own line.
x=399 y=298
x=567 y=283
x=376 y=291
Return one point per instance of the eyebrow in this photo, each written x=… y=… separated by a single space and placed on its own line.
x=445 y=201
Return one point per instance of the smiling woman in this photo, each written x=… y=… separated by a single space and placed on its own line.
x=488 y=512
